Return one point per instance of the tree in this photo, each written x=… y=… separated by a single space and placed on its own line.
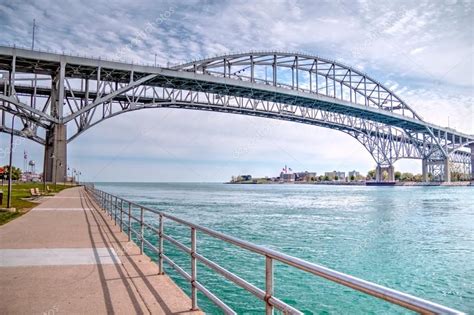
x=371 y=174
x=458 y=176
x=326 y=178
x=16 y=172
x=398 y=175
x=320 y=178
x=336 y=177
x=352 y=178
x=418 y=178
x=406 y=177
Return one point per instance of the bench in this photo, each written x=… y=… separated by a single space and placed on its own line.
x=34 y=192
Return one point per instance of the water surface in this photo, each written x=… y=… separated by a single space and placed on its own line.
x=416 y=239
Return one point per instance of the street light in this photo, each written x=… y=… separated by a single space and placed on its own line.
x=26 y=132
x=53 y=156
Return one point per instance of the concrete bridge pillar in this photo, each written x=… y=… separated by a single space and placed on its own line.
x=439 y=168
x=391 y=173
x=379 y=170
x=378 y=173
x=55 y=149
x=424 y=170
x=472 y=161
x=55 y=154
x=447 y=171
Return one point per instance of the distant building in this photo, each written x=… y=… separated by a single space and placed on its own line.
x=287 y=177
x=30 y=177
x=354 y=173
x=305 y=176
x=245 y=177
x=332 y=175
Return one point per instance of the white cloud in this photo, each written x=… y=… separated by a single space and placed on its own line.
x=417 y=50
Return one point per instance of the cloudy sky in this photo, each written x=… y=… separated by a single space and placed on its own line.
x=422 y=50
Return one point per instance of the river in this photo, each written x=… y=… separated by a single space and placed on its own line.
x=419 y=240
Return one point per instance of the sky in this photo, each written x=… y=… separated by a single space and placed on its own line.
x=422 y=50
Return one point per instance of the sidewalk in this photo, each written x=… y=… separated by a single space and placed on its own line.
x=66 y=256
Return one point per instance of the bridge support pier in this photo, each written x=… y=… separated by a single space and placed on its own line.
x=437 y=169
x=55 y=149
x=471 y=146
x=447 y=171
x=424 y=170
x=55 y=154
x=379 y=170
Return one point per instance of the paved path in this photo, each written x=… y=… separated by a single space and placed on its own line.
x=67 y=257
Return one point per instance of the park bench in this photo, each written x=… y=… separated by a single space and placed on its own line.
x=34 y=193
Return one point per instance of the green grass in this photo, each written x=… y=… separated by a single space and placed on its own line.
x=6 y=217
x=19 y=192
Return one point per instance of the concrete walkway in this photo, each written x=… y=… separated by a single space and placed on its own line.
x=66 y=256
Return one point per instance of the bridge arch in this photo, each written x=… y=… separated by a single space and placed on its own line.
x=287 y=86
x=305 y=73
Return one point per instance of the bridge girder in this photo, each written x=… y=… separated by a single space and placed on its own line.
x=301 y=88
x=309 y=74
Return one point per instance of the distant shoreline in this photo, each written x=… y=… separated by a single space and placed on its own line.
x=464 y=183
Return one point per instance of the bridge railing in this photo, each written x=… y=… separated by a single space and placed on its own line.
x=287 y=86
x=120 y=210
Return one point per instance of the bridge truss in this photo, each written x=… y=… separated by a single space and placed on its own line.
x=62 y=96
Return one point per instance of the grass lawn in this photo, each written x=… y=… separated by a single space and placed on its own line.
x=19 y=191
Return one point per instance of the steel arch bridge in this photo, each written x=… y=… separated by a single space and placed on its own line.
x=59 y=95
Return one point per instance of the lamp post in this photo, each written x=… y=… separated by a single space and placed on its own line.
x=56 y=172
x=53 y=156
x=44 y=180
x=67 y=174
x=27 y=132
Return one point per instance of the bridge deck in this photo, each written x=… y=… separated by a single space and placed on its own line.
x=67 y=256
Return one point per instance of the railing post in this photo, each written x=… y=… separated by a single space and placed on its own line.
x=160 y=246
x=194 y=305
x=268 y=284
x=141 y=230
x=109 y=205
x=121 y=215
x=129 y=221
x=115 y=210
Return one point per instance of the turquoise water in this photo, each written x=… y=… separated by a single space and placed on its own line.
x=419 y=240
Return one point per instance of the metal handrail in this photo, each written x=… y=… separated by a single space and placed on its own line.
x=110 y=203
